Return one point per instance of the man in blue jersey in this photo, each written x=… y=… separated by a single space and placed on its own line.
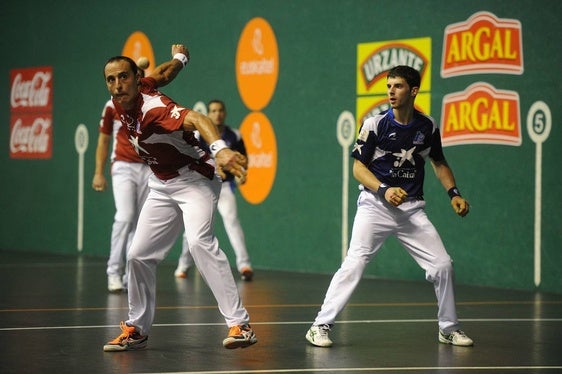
x=216 y=111
x=390 y=154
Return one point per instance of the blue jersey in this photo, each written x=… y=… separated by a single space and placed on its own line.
x=233 y=140
x=396 y=153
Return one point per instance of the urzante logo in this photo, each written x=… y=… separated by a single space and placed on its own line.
x=385 y=58
x=375 y=108
x=482 y=44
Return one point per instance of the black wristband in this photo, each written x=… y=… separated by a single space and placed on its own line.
x=382 y=190
x=453 y=191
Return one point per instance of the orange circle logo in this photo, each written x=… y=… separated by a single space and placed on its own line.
x=137 y=46
x=257 y=64
x=261 y=147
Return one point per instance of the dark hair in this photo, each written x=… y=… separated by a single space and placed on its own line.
x=411 y=75
x=216 y=101
x=134 y=66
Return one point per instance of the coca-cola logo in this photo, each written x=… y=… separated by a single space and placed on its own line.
x=31 y=89
x=32 y=93
x=31 y=102
x=34 y=138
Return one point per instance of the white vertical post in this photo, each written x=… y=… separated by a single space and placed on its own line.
x=81 y=144
x=345 y=135
x=539 y=123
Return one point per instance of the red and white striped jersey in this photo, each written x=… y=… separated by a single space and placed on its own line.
x=155 y=129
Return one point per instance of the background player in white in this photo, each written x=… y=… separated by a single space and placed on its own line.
x=390 y=154
x=183 y=185
x=129 y=180
x=129 y=177
x=216 y=110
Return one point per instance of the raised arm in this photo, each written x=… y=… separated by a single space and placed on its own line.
x=167 y=71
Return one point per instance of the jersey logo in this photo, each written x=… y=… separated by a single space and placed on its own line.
x=129 y=122
x=357 y=147
x=135 y=142
x=405 y=155
x=175 y=113
x=419 y=138
x=363 y=135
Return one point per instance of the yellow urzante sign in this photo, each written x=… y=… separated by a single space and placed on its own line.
x=375 y=59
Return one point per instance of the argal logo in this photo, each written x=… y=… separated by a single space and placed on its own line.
x=138 y=45
x=375 y=59
x=482 y=44
x=481 y=114
x=257 y=64
x=261 y=148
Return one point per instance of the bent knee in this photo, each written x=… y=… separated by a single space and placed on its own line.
x=442 y=269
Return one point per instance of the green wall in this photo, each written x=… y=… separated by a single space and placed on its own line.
x=298 y=227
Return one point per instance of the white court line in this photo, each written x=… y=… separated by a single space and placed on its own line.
x=346 y=370
x=366 y=321
x=385 y=369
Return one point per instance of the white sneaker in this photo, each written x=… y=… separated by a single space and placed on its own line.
x=455 y=338
x=318 y=335
x=114 y=283
x=180 y=273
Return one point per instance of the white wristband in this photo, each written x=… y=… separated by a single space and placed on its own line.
x=182 y=58
x=217 y=146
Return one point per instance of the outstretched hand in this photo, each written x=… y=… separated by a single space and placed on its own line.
x=233 y=162
x=460 y=206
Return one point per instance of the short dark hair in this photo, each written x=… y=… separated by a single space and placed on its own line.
x=216 y=101
x=411 y=75
x=134 y=66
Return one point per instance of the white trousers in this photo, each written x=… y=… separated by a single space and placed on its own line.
x=192 y=197
x=229 y=214
x=130 y=189
x=375 y=221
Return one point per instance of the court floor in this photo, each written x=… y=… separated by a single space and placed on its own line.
x=56 y=314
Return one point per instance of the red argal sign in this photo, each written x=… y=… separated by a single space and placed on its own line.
x=481 y=114
x=483 y=44
x=31 y=105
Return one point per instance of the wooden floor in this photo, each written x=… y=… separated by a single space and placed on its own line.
x=56 y=314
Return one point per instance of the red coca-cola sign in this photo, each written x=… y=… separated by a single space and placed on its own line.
x=31 y=105
x=31 y=136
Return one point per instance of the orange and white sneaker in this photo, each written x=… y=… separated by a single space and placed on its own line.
x=129 y=340
x=247 y=274
x=180 y=273
x=240 y=336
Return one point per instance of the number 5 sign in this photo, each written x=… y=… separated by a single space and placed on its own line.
x=539 y=123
